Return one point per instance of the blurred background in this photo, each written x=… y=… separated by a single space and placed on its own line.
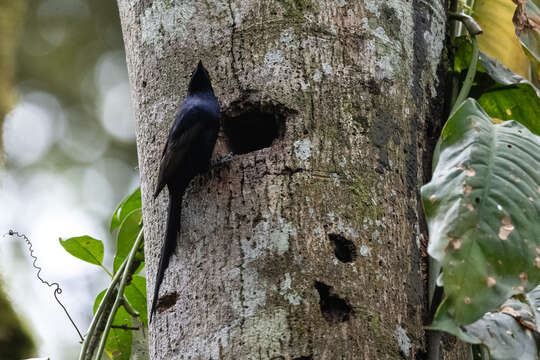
x=69 y=158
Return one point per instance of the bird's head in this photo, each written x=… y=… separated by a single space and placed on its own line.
x=200 y=80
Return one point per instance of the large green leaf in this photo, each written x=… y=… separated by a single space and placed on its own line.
x=533 y=299
x=129 y=229
x=483 y=208
x=85 y=248
x=501 y=93
x=127 y=205
x=118 y=345
x=521 y=312
x=511 y=97
x=501 y=332
x=518 y=102
x=136 y=295
x=505 y=338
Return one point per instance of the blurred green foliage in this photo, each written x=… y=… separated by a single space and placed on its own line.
x=61 y=45
x=15 y=339
x=69 y=55
x=11 y=19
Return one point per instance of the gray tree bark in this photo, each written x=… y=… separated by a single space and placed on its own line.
x=309 y=248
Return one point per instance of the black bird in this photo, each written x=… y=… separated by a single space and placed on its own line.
x=187 y=153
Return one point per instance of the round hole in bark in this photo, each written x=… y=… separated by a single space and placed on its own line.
x=344 y=249
x=333 y=308
x=251 y=124
x=166 y=301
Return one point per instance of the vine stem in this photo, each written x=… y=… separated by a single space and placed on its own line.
x=471 y=73
x=95 y=320
x=473 y=29
x=119 y=295
x=126 y=304
x=56 y=285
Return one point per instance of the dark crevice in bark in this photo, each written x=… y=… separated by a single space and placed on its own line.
x=333 y=308
x=420 y=355
x=167 y=301
x=435 y=116
x=309 y=357
x=344 y=249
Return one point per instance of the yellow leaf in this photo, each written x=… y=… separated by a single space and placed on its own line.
x=499 y=39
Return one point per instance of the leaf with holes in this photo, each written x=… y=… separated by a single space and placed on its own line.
x=500 y=332
x=85 y=248
x=482 y=207
x=533 y=299
x=118 y=345
x=127 y=205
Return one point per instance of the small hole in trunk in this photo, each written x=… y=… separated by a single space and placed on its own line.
x=333 y=308
x=344 y=249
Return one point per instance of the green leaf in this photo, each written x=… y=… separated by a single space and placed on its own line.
x=502 y=94
x=136 y=295
x=85 y=248
x=518 y=102
x=521 y=312
x=482 y=207
x=533 y=299
x=97 y=301
x=129 y=229
x=127 y=205
x=463 y=54
x=118 y=345
x=500 y=74
x=500 y=332
x=511 y=97
x=505 y=338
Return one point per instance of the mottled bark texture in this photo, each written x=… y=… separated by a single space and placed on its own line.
x=306 y=246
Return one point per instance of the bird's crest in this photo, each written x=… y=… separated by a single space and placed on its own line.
x=200 y=80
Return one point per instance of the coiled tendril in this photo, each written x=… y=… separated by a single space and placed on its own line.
x=57 y=289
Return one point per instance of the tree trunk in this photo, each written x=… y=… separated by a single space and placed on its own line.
x=307 y=244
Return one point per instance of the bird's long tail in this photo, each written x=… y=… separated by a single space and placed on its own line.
x=170 y=241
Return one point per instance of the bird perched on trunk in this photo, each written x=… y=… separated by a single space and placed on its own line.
x=187 y=153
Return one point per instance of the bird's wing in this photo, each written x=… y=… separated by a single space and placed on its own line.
x=185 y=130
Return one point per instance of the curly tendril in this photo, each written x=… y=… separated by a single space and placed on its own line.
x=57 y=289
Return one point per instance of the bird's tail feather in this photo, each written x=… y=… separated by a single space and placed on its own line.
x=170 y=241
